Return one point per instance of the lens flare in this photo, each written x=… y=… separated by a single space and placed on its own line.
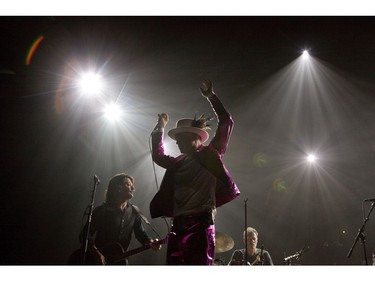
x=260 y=160
x=279 y=185
x=32 y=49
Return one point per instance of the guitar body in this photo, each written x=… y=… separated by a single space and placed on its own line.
x=92 y=258
x=114 y=254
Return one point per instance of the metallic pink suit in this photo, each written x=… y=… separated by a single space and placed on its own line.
x=194 y=242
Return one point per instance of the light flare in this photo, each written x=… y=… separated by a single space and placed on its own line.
x=112 y=112
x=91 y=83
x=32 y=49
x=311 y=158
x=305 y=54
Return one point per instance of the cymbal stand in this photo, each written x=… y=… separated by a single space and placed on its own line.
x=361 y=235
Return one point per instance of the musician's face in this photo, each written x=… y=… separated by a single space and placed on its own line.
x=187 y=142
x=126 y=188
x=252 y=240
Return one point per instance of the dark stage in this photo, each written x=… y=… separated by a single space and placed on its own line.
x=284 y=107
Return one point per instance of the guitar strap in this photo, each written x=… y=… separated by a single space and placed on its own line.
x=143 y=217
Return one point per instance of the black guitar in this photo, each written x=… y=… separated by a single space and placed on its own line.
x=113 y=254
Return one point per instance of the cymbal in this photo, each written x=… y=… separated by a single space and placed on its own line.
x=223 y=242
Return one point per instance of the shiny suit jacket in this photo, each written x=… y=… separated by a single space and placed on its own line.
x=209 y=156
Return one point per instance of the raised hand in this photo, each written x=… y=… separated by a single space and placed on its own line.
x=207 y=88
x=163 y=120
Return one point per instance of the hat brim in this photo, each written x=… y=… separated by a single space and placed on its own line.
x=201 y=133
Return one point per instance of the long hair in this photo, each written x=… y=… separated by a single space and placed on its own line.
x=113 y=187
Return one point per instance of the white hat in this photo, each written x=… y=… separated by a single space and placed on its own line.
x=187 y=126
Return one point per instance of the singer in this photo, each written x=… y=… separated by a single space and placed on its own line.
x=113 y=224
x=255 y=256
x=195 y=183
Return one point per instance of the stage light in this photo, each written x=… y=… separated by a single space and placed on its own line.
x=305 y=54
x=91 y=83
x=311 y=158
x=112 y=112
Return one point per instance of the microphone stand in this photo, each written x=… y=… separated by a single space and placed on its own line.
x=297 y=256
x=288 y=260
x=96 y=183
x=246 y=246
x=361 y=235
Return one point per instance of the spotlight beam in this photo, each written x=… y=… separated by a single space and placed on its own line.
x=305 y=54
x=91 y=83
x=112 y=112
x=311 y=158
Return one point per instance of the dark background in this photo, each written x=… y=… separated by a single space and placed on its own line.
x=54 y=141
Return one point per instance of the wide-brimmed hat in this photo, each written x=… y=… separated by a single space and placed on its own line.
x=189 y=126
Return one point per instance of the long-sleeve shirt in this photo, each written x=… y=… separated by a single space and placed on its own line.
x=111 y=228
x=210 y=157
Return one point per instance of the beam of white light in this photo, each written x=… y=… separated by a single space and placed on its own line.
x=305 y=54
x=311 y=158
x=91 y=83
x=112 y=112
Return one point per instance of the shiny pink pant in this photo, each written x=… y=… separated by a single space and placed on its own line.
x=192 y=241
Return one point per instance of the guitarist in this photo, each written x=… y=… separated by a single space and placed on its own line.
x=114 y=222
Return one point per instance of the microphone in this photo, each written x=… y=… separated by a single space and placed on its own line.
x=369 y=200
x=96 y=179
x=156 y=126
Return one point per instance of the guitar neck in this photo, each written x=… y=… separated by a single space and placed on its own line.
x=117 y=258
x=136 y=251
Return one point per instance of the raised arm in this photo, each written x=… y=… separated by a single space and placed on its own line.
x=225 y=122
x=158 y=153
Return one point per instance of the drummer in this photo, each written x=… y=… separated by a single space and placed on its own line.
x=255 y=256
